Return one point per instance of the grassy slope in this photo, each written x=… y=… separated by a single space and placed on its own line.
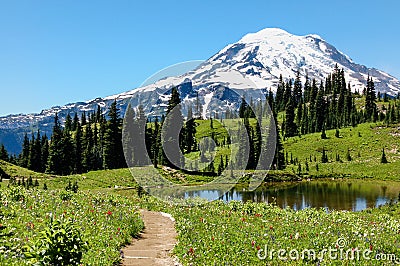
x=365 y=150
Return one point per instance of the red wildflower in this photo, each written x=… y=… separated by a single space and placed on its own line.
x=191 y=251
x=370 y=247
x=258 y=247
x=271 y=228
x=109 y=213
x=253 y=243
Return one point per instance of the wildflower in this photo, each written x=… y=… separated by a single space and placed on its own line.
x=109 y=213
x=253 y=243
x=191 y=251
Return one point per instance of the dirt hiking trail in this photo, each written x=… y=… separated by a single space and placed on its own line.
x=154 y=244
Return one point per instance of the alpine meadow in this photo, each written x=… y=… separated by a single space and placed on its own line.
x=279 y=149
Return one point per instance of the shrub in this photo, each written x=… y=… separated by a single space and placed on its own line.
x=58 y=244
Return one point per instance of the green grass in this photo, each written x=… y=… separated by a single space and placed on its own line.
x=365 y=150
x=232 y=234
x=17 y=171
x=104 y=221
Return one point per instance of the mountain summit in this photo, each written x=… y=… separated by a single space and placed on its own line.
x=260 y=57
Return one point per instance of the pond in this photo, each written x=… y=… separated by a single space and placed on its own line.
x=339 y=195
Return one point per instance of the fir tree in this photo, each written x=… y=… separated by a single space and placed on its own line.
x=370 y=99
x=297 y=90
x=290 y=125
x=55 y=158
x=173 y=132
x=190 y=136
x=348 y=156
x=324 y=157
x=3 y=153
x=113 y=156
x=383 y=158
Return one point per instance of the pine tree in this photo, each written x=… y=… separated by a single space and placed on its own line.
x=44 y=153
x=370 y=99
x=348 y=156
x=324 y=157
x=35 y=162
x=337 y=133
x=78 y=150
x=24 y=159
x=279 y=101
x=3 y=153
x=55 y=158
x=297 y=90
x=243 y=108
x=67 y=153
x=68 y=123
x=323 y=133
x=113 y=156
x=173 y=132
x=320 y=110
x=190 y=136
x=290 y=125
x=383 y=158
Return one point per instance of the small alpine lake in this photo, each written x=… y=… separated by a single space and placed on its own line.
x=352 y=195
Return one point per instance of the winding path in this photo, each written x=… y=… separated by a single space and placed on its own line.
x=154 y=244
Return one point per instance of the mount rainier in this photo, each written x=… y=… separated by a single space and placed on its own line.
x=258 y=59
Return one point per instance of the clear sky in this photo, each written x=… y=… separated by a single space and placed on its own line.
x=57 y=52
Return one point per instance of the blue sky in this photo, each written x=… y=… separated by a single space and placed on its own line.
x=56 y=52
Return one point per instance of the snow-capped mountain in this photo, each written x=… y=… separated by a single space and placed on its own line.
x=254 y=62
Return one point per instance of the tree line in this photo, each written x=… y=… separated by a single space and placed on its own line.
x=94 y=141
x=314 y=107
x=83 y=144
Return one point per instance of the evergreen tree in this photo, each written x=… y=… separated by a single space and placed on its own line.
x=113 y=156
x=243 y=108
x=35 y=160
x=297 y=90
x=173 y=132
x=78 y=150
x=320 y=110
x=383 y=158
x=3 y=153
x=190 y=136
x=324 y=157
x=370 y=99
x=279 y=100
x=24 y=159
x=44 y=153
x=55 y=157
x=348 y=156
x=290 y=125
x=67 y=153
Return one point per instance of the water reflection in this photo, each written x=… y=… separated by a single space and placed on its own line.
x=338 y=195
